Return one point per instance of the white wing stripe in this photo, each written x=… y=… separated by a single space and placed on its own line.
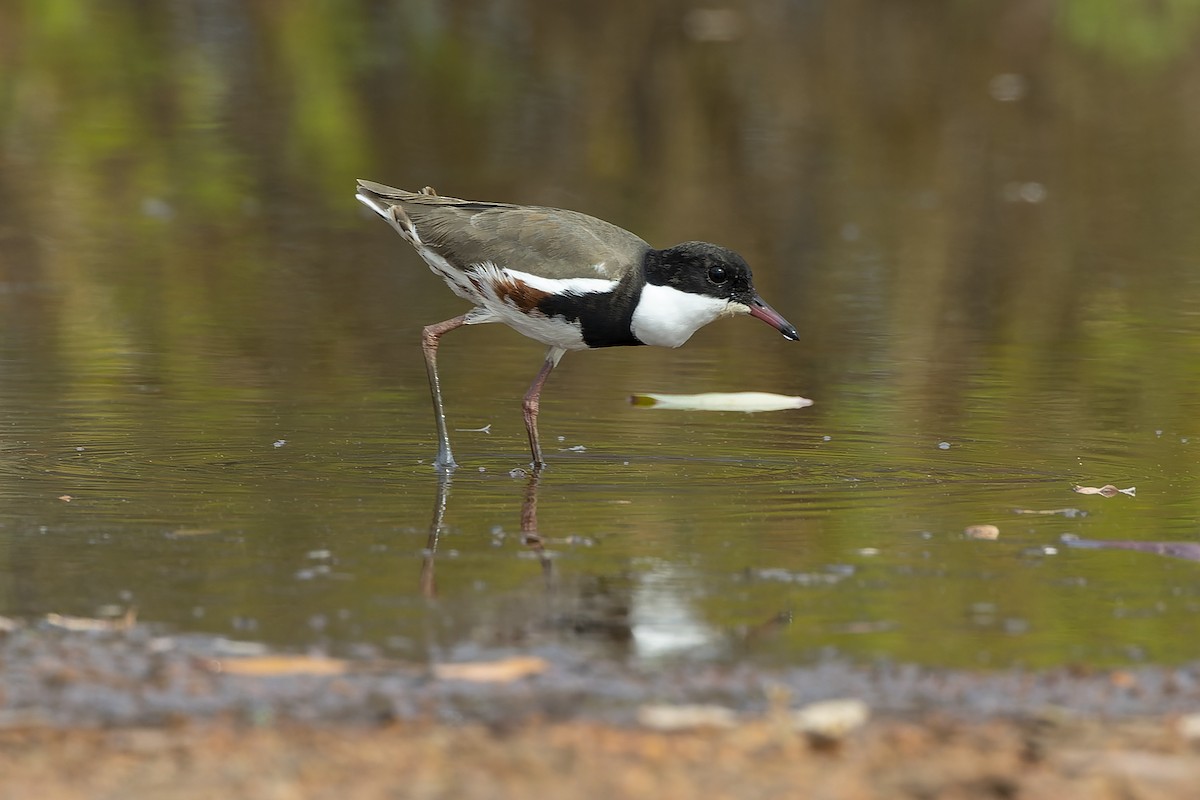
x=563 y=285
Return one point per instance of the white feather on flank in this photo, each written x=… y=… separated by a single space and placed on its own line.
x=478 y=288
x=667 y=317
x=558 y=285
x=556 y=332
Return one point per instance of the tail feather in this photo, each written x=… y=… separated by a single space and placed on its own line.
x=384 y=191
x=372 y=203
x=386 y=201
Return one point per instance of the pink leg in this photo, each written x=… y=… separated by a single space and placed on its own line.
x=429 y=343
x=530 y=407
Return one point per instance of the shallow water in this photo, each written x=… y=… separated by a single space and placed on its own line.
x=214 y=404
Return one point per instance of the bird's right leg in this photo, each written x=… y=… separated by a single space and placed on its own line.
x=532 y=403
x=429 y=344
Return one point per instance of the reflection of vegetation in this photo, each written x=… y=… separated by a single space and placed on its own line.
x=175 y=183
x=1136 y=33
x=317 y=42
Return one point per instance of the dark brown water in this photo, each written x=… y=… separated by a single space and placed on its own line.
x=982 y=221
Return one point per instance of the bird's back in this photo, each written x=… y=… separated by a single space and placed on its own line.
x=549 y=242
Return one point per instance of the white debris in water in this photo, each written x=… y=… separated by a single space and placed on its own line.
x=831 y=576
x=157 y=208
x=713 y=24
x=748 y=402
x=1007 y=87
x=1030 y=192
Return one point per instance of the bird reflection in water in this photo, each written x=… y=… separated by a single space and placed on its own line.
x=529 y=532
x=592 y=606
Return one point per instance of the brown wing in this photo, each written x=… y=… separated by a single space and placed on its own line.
x=551 y=242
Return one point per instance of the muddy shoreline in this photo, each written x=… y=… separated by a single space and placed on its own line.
x=136 y=713
x=140 y=676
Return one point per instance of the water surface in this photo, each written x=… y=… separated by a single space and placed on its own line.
x=214 y=406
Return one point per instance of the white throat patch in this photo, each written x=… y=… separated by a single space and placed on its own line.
x=667 y=317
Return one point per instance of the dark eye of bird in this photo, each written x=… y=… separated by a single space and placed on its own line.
x=718 y=275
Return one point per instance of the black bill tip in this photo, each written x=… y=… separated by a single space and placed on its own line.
x=759 y=309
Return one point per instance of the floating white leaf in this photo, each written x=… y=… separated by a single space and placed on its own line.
x=748 y=402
